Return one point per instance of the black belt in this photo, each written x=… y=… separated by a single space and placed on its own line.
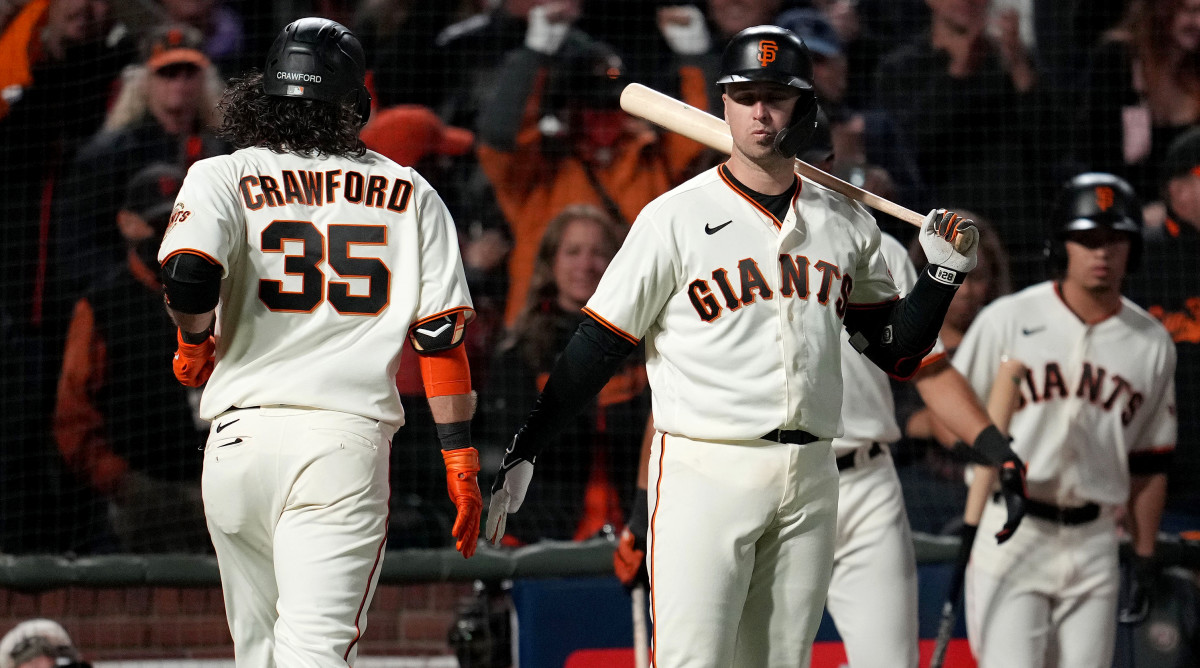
x=1066 y=516
x=846 y=461
x=798 y=436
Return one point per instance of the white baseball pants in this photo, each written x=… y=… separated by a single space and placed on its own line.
x=297 y=507
x=740 y=550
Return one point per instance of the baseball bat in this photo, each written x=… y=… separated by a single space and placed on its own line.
x=641 y=641
x=1001 y=403
x=703 y=127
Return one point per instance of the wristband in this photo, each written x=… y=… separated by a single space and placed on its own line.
x=454 y=435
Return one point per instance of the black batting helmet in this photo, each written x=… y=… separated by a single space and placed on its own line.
x=1090 y=201
x=318 y=59
x=771 y=53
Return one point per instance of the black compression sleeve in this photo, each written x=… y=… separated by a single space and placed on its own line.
x=897 y=336
x=192 y=283
x=591 y=357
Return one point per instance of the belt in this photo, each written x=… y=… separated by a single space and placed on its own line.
x=798 y=436
x=1065 y=516
x=846 y=461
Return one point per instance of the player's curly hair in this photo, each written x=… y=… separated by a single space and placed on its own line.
x=251 y=118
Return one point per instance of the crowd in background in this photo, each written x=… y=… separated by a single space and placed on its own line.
x=509 y=108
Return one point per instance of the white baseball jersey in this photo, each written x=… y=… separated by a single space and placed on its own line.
x=329 y=260
x=1092 y=394
x=742 y=314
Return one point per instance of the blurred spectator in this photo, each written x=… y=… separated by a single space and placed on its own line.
x=969 y=103
x=39 y=643
x=472 y=53
x=932 y=475
x=599 y=451
x=58 y=61
x=555 y=135
x=729 y=17
x=1169 y=287
x=1142 y=89
x=165 y=112
x=868 y=148
x=414 y=136
x=223 y=36
x=122 y=421
x=861 y=49
x=399 y=37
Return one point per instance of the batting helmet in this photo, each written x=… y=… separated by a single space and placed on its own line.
x=318 y=59
x=771 y=53
x=1090 y=201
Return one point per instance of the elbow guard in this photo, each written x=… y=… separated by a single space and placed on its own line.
x=441 y=332
x=191 y=282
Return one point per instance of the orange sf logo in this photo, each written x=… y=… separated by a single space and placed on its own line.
x=766 y=52
x=1104 y=198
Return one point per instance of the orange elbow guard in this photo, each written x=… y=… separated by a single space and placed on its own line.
x=446 y=372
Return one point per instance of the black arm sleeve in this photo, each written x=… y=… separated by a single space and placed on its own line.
x=897 y=335
x=590 y=359
x=192 y=283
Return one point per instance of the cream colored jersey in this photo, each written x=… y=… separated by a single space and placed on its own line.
x=868 y=408
x=327 y=262
x=1092 y=394
x=742 y=315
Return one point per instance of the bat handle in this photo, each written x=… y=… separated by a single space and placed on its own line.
x=641 y=641
x=945 y=629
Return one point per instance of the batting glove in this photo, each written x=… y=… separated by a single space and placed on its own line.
x=462 y=481
x=544 y=33
x=993 y=445
x=684 y=29
x=194 y=362
x=1141 y=584
x=508 y=491
x=949 y=241
x=629 y=559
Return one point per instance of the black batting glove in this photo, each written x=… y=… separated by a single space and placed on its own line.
x=994 y=446
x=1141 y=583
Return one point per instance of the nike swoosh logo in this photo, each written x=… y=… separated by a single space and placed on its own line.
x=222 y=426
x=718 y=228
x=1032 y=330
x=433 y=332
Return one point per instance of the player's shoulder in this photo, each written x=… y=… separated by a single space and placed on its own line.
x=682 y=201
x=1140 y=320
x=835 y=207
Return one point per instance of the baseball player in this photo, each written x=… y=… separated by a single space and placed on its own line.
x=741 y=281
x=1096 y=422
x=299 y=265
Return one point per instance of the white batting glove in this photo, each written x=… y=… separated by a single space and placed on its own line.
x=508 y=493
x=546 y=32
x=949 y=240
x=684 y=29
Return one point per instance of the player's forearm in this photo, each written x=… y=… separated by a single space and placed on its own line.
x=643 y=474
x=1147 y=497
x=452 y=408
x=193 y=324
x=897 y=337
x=952 y=401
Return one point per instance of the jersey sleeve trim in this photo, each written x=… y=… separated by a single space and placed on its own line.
x=1152 y=460
x=470 y=315
x=193 y=251
x=611 y=327
x=934 y=359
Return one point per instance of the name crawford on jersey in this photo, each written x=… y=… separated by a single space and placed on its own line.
x=314 y=188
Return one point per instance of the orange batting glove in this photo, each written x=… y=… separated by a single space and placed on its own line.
x=462 y=481
x=194 y=362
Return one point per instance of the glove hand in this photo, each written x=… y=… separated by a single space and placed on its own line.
x=548 y=25
x=193 y=362
x=949 y=241
x=684 y=29
x=462 y=481
x=1012 y=488
x=629 y=559
x=1141 y=583
x=508 y=492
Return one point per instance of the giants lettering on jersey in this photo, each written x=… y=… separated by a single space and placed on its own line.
x=794 y=275
x=319 y=188
x=1095 y=385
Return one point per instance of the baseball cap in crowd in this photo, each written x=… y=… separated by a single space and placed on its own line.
x=1183 y=156
x=408 y=133
x=35 y=638
x=151 y=193
x=812 y=27
x=172 y=45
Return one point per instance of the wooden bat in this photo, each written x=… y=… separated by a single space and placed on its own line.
x=641 y=640
x=1001 y=403
x=701 y=126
